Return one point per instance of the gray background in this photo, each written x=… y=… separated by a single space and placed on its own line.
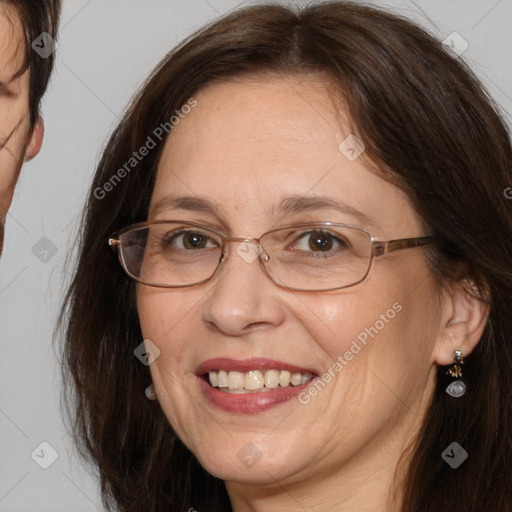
x=106 y=48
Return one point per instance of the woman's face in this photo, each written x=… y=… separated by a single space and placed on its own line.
x=16 y=141
x=255 y=154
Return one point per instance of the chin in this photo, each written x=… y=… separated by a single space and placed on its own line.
x=257 y=472
x=243 y=460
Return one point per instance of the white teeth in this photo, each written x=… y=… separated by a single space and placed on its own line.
x=296 y=379
x=235 y=380
x=256 y=380
x=271 y=378
x=222 y=379
x=284 y=378
x=304 y=378
x=214 y=379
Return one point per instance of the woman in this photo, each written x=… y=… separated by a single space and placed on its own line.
x=311 y=310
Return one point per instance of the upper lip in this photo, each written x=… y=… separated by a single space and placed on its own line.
x=245 y=365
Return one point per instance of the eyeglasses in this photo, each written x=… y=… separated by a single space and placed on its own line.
x=302 y=257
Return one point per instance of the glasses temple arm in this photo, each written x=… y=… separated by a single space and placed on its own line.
x=379 y=248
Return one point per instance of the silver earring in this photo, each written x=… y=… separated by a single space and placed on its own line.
x=456 y=388
x=150 y=392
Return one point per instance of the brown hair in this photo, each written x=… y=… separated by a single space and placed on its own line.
x=37 y=17
x=421 y=114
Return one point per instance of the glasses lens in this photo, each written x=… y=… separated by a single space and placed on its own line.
x=170 y=254
x=317 y=257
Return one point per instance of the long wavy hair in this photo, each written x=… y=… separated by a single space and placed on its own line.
x=426 y=119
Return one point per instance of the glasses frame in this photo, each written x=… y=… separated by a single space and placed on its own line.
x=378 y=248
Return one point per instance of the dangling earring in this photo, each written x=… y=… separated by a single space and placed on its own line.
x=456 y=388
x=150 y=392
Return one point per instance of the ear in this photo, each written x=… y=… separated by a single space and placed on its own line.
x=464 y=319
x=35 y=140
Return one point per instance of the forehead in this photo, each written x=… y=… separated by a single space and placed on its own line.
x=254 y=127
x=12 y=43
x=250 y=143
x=283 y=108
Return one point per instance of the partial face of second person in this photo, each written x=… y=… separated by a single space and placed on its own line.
x=249 y=145
x=19 y=141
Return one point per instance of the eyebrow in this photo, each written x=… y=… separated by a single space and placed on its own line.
x=289 y=205
x=301 y=204
x=189 y=203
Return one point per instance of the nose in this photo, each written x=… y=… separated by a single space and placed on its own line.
x=242 y=297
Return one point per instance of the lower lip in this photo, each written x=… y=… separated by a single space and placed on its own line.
x=250 y=403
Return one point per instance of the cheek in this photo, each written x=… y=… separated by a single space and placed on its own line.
x=11 y=154
x=170 y=319
x=381 y=333
x=163 y=314
x=9 y=171
x=12 y=113
x=360 y=315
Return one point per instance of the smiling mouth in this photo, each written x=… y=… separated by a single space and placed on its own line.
x=255 y=381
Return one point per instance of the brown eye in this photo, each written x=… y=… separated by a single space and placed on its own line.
x=320 y=242
x=187 y=240
x=194 y=241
